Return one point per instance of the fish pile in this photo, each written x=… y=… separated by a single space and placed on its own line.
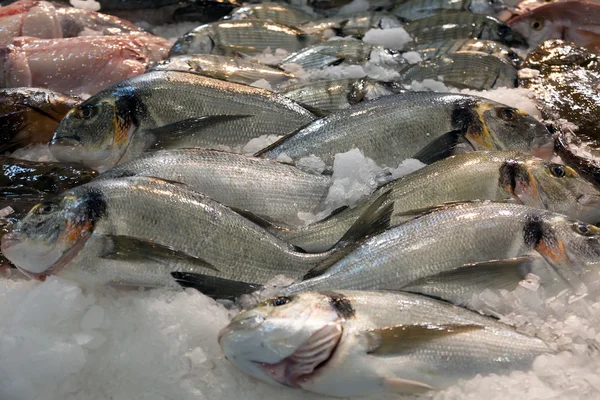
x=215 y=162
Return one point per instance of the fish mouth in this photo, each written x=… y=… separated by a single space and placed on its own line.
x=544 y=151
x=308 y=360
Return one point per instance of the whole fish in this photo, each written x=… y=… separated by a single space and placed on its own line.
x=412 y=10
x=169 y=109
x=423 y=125
x=223 y=67
x=463 y=26
x=437 y=49
x=495 y=176
x=338 y=94
x=148 y=232
x=279 y=13
x=30 y=115
x=446 y=253
x=353 y=343
x=574 y=21
x=271 y=190
x=351 y=25
x=80 y=65
x=463 y=70
x=248 y=37
x=335 y=52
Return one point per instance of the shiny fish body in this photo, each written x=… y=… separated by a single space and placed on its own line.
x=458 y=239
x=138 y=230
x=372 y=342
x=223 y=67
x=495 y=176
x=268 y=189
x=462 y=26
x=394 y=128
x=336 y=52
x=338 y=94
x=158 y=98
x=418 y=9
x=464 y=70
x=248 y=37
x=279 y=13
x=351 y=25
x=437 y=49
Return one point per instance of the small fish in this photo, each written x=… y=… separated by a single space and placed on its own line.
x=351 y=25
x=248 y=37
x=338 y=94
x=427 y=126
x=279 y=13
x=30 y=115
x=169 y=109
x=237 y=70
x=353 y=343
x=463 y=26
x=463 y=70
x=412 y=10
x=438 y=49
x=574 y=21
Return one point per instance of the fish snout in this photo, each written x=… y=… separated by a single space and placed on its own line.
x=542 y=147
x=9 y=240
x=66 y=149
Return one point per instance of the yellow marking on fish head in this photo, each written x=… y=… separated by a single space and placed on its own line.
x=478 y=132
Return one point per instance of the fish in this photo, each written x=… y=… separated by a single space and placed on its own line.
x=236 y=70
x=247 y=37
x=463 y=70
x=338 y=94
x=463 y=26
x=336 y=52
x=270 y=190
x=427 y=126
x=77 y=22
x=452 y=251
x=412 y=10
x=498 y=176
x=351 y=25
x=437 y=49
x=144 y=231
x=30 y=115
x=80 y=65
x=279 y=13
x=205 y=11
x=353 y=343
x=574 y=21
x=6 y=224
x=169 y=109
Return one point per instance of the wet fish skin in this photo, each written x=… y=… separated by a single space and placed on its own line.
x=352 y=25
x=158 y=98
x=417 y=9
x=271 y=190
x=464 y=70
x=280 y=13
x=30 y=115
x=223 y=67
x=75 y=21
x=138 y=231
x=248 y=37
x=394 y=128
x=497 y=176
x=462 y=26
x=437 y=49
x=383 y=341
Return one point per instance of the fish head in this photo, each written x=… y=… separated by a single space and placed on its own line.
x=284 y=339
x=535 y=28
x=197 y=41
x=495 y=30
x=97 y=132
x=508 y=128
x=52 y=233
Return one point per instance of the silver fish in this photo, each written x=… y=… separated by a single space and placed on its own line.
x=351 y=25
x=352 y=343
x=248 y=37
x=437 y=49
x=464 y=70
x=271 y=190
x=169 y=109
x=279 y=13
x=423 y=125
x=229 y=69
x=418 y=9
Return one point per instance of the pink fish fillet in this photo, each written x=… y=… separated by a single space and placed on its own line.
x=82 y=65
x=28 y=18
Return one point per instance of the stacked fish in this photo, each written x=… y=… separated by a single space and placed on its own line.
x=382 y=292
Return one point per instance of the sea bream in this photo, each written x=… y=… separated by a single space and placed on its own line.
x=279 y=13
x=169 y=109
x=412 y=10
x=353 y=343
x=427 y=126
x=351 y=25
x=441 y=48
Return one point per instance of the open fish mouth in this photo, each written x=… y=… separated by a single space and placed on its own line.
x=307 y=360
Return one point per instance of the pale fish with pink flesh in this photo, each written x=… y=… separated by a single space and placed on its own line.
x=352 y=343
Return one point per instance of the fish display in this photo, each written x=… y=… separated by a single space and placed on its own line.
x=349 y=343
x=169 y=109
x=418 y=9
x=437 y=49
x=351 y=25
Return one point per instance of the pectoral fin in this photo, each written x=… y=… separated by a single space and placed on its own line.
x=440 y=148
x=217 y=288
x=407 y=386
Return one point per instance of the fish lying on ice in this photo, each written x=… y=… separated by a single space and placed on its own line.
x=279 y=13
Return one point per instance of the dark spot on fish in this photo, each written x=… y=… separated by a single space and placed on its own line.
x=533 y=231
x=129 y=106
x=464 y=117
x=95 y=205
x=341 y=304
x=509 y=172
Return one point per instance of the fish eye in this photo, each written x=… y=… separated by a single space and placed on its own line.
x=557 y=170
x=537 y=25
x=188 y=38
x=279 y=301
x=503 y=31
x=86 y=112
x=45 y=208
x=585 y=229
x=507 y=114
